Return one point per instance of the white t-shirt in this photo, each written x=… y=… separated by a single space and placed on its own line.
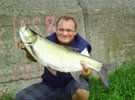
x=85 y=52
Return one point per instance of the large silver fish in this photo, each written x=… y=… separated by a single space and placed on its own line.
x=58 y=57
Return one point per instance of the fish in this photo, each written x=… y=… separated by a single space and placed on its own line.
x=58 y=57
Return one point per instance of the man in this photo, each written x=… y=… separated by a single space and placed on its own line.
x=58 y=85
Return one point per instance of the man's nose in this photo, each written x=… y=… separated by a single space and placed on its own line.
x=65 y=32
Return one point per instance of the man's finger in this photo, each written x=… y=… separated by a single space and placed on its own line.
x=20 y=44
x=83 y=65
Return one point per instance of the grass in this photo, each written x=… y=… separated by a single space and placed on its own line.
x=121 y=85
x=7 y=96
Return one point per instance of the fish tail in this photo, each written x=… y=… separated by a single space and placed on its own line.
x=104 y=76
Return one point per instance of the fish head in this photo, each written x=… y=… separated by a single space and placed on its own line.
x=27 y=35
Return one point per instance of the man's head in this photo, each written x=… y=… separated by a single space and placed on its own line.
x=66 y=29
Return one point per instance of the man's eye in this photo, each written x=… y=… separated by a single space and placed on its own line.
x=61 y=29
x=69 y=30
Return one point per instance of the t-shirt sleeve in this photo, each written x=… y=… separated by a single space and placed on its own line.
x=85 y=52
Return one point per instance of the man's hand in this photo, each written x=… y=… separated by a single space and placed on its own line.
x=87 y=71
x=21 y=45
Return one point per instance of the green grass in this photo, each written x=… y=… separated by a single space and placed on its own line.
x=121 y=85
x=7 y=96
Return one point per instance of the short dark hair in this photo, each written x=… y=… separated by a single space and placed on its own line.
x=67 y=18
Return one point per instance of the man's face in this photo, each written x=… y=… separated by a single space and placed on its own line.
x=65 y=31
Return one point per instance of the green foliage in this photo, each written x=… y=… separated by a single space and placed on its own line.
x=121 y=84
x=7 y=96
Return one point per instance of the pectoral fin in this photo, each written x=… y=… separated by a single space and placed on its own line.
x=54 y=72
x=76 y=75
x=33 y=53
